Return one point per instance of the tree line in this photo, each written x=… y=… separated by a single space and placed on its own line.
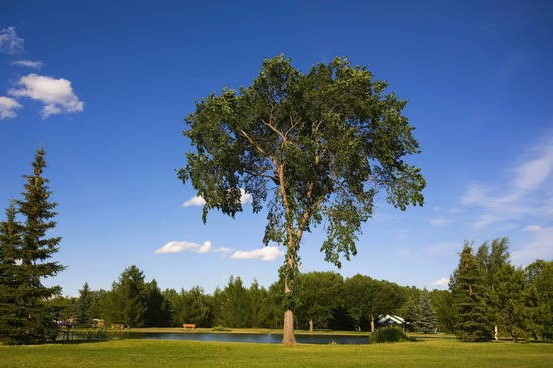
x=326 y=301
x=488 y=298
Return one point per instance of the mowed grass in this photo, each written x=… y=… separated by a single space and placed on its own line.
x=166 y=354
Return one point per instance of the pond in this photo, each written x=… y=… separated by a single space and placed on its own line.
x=245 y=337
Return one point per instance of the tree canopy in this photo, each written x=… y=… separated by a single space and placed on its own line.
x=311 y=147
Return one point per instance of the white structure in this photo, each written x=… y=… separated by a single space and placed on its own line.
x=390 y=320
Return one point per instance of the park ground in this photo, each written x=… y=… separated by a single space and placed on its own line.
x=442 y=351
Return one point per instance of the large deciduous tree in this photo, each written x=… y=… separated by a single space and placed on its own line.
x=319 y=295
x=311 y=147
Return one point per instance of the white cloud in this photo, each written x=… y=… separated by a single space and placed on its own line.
x=194 y=201
x=532 y=228
x=28 y=63
x=540 y=247
x=245 y=197
x=443 y=282
x=223 y=250
x=56 y=94
x=205 y=248
x=265 y=254
x=9 y=42
x=199 y=201
x=8 y=107
x=184 y=246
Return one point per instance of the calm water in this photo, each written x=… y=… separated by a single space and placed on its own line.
x=256 y=338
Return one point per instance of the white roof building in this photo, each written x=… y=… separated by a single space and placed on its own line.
x=390 y=319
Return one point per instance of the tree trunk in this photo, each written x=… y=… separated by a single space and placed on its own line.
x=372 y=323
x=310 y=325
x=495 y=337
x=288 y=338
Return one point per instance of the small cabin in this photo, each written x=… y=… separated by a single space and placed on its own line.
x=390 y=320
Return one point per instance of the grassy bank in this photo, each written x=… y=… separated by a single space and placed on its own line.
x=190 y=354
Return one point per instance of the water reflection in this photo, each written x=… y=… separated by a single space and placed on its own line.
x=244 y=337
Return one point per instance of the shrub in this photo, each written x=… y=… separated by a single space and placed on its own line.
x=388 y=334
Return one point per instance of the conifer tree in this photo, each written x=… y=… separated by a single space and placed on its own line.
x=36 y=252
x=10 y=246
x=493 y=261
x=468 y=288
x=84 y=305
x=426 y=320
x=513 y=304
x=157 y=311
x=128 y=299
x=539 y=278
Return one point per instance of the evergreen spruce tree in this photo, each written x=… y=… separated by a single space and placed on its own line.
x=410 y=311
x=129 y=298
x=426 y=320
x=468 y=288
x=514 y=306
x=84 y=304
x=10 y=246
x=36 y=252
x=493 y=261
x=157 y=312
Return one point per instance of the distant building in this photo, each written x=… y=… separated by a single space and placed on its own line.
x=389 y=320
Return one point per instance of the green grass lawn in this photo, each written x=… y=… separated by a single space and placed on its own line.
x=437 y=352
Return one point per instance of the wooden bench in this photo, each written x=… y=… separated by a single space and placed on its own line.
x=189 y=325
x=117 y=326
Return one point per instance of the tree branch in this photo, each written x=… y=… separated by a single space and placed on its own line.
x=253 y=143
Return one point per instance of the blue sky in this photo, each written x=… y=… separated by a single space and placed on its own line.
x=104 y=86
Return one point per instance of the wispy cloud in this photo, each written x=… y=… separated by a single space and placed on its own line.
x=532 y=228
x=524 y=194
x=8 y=107
x=28 y=64
x=10 y=43
x=265 y=254
x=404 y=252
x=184 y=246
x=199 y=201
x=442 y=249
x=438 y=221
x=539 y=247
x=56 y=94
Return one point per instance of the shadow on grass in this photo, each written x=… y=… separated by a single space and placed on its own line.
x=76 y=342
